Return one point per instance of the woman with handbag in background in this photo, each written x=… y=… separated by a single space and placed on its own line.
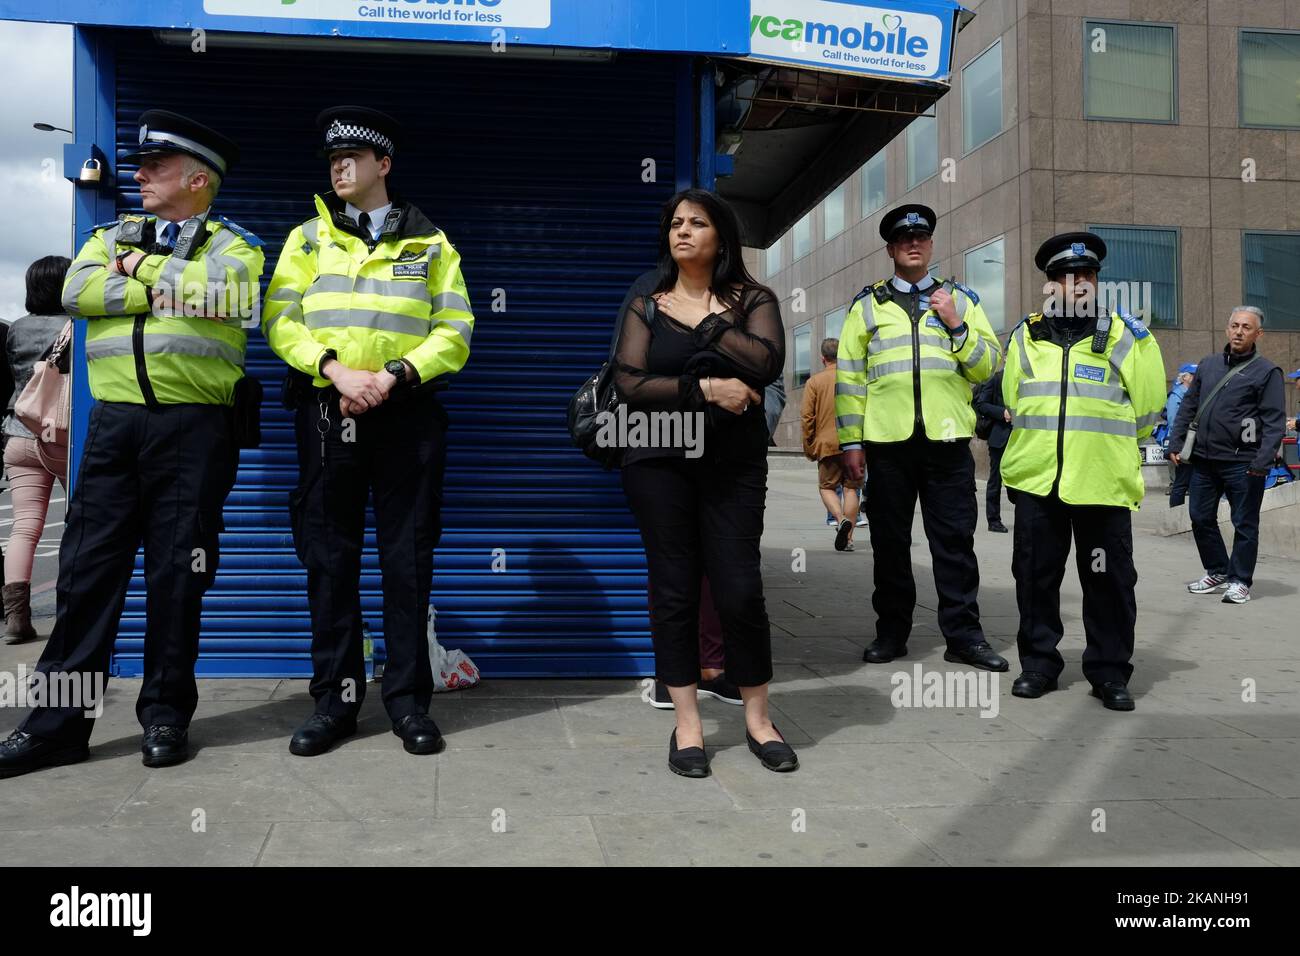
x=705 y=345
x=31 y=465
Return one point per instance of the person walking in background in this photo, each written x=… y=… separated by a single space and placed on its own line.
x=989 y=403
x=1181 y=474
x=705 y=343
x=1295 y=377
x=821 y=444
x=1236 y=408
x=29 y=480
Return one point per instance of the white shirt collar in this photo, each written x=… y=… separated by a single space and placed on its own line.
x=902 y=285
x=377 y=217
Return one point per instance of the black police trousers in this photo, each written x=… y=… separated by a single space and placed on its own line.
x=1103 y=553
x=398 y=452
x=942 y=475
x=157 y=477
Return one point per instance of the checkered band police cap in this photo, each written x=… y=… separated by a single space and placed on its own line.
x=350 y=127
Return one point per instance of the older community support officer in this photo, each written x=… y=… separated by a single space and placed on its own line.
x=1084 y=387
x=369 y=309
x=916 y=344
x=165 y=297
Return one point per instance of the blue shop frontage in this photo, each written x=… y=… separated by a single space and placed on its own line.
x=542 y=136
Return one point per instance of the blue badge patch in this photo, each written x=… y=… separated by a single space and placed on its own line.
x=1078 y=249
x=1135 y=325
x=934 y=321
x=241 y=232
x=1091 y=372
x=970 y=294
x=913 y=219
x=103 y=225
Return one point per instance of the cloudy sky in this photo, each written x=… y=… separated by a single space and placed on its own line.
x=36 y=77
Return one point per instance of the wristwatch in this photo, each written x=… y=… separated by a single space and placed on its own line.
x=397 y=369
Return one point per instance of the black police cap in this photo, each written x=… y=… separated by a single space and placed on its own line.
x=1071 y=251
x=357 y=127
x=162 y=131
x=913 y=217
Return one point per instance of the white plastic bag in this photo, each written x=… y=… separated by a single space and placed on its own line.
x=452 y=670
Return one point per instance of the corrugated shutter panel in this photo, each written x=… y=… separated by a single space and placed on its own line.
x=534 y=171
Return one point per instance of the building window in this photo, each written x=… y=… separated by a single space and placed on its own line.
x=1128 y=72
x=873 y=184
x=1140 y=275
x=1270 y=79
x=922 y=150
x=833 y=213
x=1272 y=277
x=772 y=259
x=802 y=354
x=981 y=97
x=802 y=236
x=985 y=272
x=834 y=322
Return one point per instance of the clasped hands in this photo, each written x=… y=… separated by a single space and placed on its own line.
x=359 y=391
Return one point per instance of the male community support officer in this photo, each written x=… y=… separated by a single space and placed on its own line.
x=1083 y=388
x=165 y=297
x=916 y=345
x=369 y=308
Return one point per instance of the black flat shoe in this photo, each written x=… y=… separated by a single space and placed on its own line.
x=882 y=652
x=1114 y=696
x=320 y=733
x=165 y=745
x=979 y=654
x=842 y=534
x=420 y=735
x=776 y=755
x=997 y=527
x=688 y=762
x=22 y=753
x=1032 y=684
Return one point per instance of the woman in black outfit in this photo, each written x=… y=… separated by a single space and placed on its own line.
x=706 y=344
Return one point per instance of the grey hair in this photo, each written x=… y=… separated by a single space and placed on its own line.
x=191 y=166
x=1250 y=310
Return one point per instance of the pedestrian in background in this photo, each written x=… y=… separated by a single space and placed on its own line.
x=1295 y=377
x=821 y=444
x=1181 y=474
x=989 y=403
x=1235 y=407
x=30 y=482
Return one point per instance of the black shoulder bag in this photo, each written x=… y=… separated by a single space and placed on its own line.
x=597 y=397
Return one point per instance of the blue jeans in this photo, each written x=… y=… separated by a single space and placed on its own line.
x=1210 y=480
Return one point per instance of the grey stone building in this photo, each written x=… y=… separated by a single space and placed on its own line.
x=1170 y=127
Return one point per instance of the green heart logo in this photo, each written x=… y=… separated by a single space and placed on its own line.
x=891 y=26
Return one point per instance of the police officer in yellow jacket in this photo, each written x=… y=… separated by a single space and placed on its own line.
x=165 y=298
x=1084 y=387
x=368 y=307
x=911 y=349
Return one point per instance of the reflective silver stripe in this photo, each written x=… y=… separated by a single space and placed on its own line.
x=78 y=277
x=450 y=300
x=869 y=314
x=221 y=240
x=1077 y=423
x=977 y=353
x=210 y=157
x=367 y=319
x=928 y=364
x=156 y=343
x=171 y=272
x=852 y=365
x=1122 y=347
x=392 y=288
x=848 y=421
x=878 y=345
x=959 y=302
x=464 y=329
x=284 y=294
x=115 y=288
x=859 y=390
x=291 y=310
x=311 y=233
x=1109 y=393
x=1025 y=370
x=1149 y=419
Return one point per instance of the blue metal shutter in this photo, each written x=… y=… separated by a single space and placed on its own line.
x=534 y=171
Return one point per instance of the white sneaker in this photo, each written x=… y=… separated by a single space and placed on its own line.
x=1209 y=584
x=862 y=521
x=1237 y=593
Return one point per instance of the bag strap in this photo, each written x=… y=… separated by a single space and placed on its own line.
x=1196 y=421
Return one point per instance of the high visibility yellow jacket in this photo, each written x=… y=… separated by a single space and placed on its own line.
x=187 y=347
x=889 y=361
x=369 y=302
x=1079 y=414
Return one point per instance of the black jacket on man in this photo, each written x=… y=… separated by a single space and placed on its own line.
x=1255 y=394
x=988 y=402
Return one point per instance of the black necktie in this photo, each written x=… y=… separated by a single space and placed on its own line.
x=364 y=222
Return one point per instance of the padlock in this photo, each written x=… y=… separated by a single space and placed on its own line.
x=90 y=171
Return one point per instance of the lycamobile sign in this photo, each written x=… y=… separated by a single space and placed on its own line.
x=468 y=13
x=846 y=36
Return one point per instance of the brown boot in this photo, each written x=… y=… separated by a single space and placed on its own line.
x=18 y=612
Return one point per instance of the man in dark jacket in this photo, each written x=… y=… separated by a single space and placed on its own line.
x=1237 y=438
x=989 y=402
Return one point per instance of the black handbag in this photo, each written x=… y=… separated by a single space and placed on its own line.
x=983 y=427
x=598 y=397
